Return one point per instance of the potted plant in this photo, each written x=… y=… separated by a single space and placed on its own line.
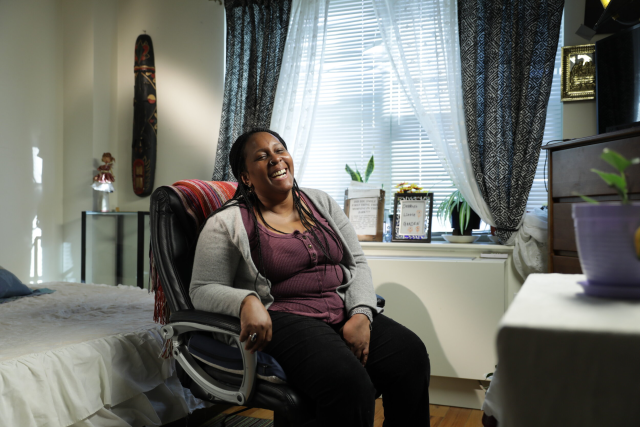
x=356 y=176
x=608 y=236
x=456 y=209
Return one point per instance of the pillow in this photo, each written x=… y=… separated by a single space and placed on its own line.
x=229 y=359
x=11 y=286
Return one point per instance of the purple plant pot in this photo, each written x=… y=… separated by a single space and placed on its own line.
x=605 y=236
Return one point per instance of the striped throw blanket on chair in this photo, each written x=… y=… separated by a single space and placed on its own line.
x=200 y=199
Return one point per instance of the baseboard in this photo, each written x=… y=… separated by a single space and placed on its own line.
x=458 y=392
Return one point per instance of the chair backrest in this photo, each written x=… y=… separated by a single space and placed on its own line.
x=177 y=211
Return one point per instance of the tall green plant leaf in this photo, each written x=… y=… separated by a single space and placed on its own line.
x=615 y=159
x=369 y=170
x=354 y=176
x=464 y=213
x=467 y=210
x=618 y=182
x=445 y=208
x=588 y=199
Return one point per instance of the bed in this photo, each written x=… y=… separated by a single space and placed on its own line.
x=86 y=356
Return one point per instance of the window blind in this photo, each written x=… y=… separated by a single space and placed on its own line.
x=362 y=111
x=552 y=132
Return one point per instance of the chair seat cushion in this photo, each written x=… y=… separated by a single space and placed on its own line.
x=229 y=359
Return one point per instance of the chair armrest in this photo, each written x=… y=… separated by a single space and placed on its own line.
x=186 y=321
x=228 y=323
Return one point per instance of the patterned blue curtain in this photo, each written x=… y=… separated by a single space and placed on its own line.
x=256 y=35
x=508 y=50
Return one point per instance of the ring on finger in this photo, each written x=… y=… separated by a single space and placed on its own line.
x=253 y=337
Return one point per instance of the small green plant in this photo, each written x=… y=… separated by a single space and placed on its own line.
x=449 y=205
x=616 y=181
x=356 y=176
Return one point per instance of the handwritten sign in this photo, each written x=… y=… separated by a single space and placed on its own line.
x=363 y=214
x=412 y=217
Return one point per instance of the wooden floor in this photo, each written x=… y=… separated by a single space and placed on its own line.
x=441 y=416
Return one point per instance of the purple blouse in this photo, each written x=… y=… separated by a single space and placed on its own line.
x=303 y=280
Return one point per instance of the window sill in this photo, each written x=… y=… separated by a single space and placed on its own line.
x=438 y=246
x=433 y=249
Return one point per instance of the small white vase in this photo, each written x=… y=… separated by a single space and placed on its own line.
x=103 y=201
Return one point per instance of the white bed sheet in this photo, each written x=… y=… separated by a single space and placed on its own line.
x=86 y=356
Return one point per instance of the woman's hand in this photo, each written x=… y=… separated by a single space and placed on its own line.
x=254 y=319
x=356 y=334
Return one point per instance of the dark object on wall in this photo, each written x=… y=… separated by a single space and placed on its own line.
x=618 y=80
x=145 y=118
x=256 y=35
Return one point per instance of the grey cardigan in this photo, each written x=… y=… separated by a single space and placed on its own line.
x=224 y=273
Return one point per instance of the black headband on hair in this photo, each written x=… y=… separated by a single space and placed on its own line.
x=235 y=154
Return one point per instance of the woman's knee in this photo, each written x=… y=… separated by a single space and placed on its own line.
x=350 y=384
x=348 y=400
x=403 y=349
x=418 y=351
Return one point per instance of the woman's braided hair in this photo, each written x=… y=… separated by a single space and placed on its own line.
x=245 y=198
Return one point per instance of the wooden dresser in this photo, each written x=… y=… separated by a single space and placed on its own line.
x=570 y=165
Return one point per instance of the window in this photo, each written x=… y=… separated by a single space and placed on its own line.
x=552 y=132
x=362 y=111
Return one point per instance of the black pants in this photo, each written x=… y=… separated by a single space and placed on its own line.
x=320 y=365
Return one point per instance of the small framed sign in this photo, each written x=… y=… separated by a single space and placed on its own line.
x=412 y=213
x=367 y=216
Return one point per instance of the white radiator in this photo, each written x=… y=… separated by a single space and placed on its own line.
x=453 y=304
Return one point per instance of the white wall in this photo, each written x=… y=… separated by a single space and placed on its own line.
x=30 y=122
x=80 y=93
x=188 y=41
x=66 y=89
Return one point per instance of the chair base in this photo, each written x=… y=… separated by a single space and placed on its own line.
x=289 y=407
x=281 y=420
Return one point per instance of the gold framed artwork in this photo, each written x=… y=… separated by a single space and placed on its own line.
x=578 y=73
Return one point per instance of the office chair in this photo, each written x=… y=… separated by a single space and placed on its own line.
x=212 y=370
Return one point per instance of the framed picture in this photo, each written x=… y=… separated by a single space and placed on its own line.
x=412 y=214
x=367 y=216
x=578 y=81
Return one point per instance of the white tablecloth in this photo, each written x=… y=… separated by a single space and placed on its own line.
x=86 y=356
x=567 y=359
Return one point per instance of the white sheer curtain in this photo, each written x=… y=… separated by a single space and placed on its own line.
x=436 y=96
x=300 y=76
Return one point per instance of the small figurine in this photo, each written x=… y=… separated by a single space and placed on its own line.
x=103 y=180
